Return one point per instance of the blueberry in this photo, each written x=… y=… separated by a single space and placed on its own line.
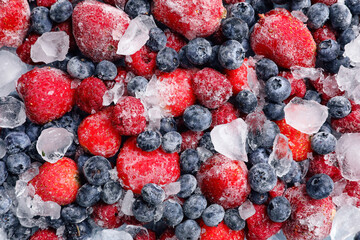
x=167 y=60
x=8 y=220
x=231 y=54
x=80 y=68
x=40 y=20
x=319 y=186
x=317 y=15
x=197 y=118
x=340 y=16
x=96 y=170
x=205 y=142
x=326 y=127
x=189 y=161
x=188 y=185
x=188 y=230
x=258 y=198
x=198 y=51
x=246 y=101
x=213 y=215
x=294 y=175
x=312 y=95
x=111 y=192
x=279 y=209
x=78 y=231
x=135 y=8
x=298 y=5
x=214 y=60
x=243 y=11
x=334 y=65
x=153 y=194
x=70 y=122
x=157 y=39
x=73 y=213
x=5 y=201
x=348 y=35
x=143 y=212
x=234 y=28
x=184 y=62
x=33 y=153
x=339 y=107
x=6 y=131
x=265 y=137
x=80 y=162
x=61 y=10
x=233 y=220
x=171 y=142
x=16 y=142
x=18 y=163
x=277 y=89
x=274 y=111
x=22 y=233
x=167 y=124
x=266 y=68
x=259 y=155
x=33 y=131
x=54 y=223
x=261 y=6
x=328 y=50
x=106 y=70
x=88 y=195
x=354 y=6
x=149 y=140
x=323 y=143
x=262 y=177
x=136 y=85
x=194 y=206
x=173 y=213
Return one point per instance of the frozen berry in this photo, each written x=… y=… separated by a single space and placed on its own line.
x=61 y=11
x=262 y=177
x=279 y=209
x=152 y=194
x=106 y=70
x=157 y=39
x=198 y=51
x=246 y=101
x=231 y=54
x=40 y=20
x=213 y=215
x=96 y=170
x=266 y=68
x=319 y=186
x=137 y=7
x=277 y=89
x=167 y=60
x=233 y=220
x=339 y=107
x=171 y=142
x=148 y=140
x=173 y=213
x=323 y=143
x=194 y=206
x=197 y=118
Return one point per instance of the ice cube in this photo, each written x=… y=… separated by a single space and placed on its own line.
x=300 y=15
x=45 y=208
x=112 y=234
x=31 y=172
x=352 y=49
x=3 y=234
x=246 y=210
x=114 y=174
x=172 y=188
x=345 y=222
x=136 y=35
x=12 y=112
x=155 y=114
x=32 y=222
x=114 y=94
x=230 y=139
x=60 y=231
x=127 y=202
x=348 y=156
x=330 y=86
x=306 y=116
x=348 y=81
x=310 y=73
x=53 y=143
x=344 y=200
x=50 y=47
x=2 y=148
x=281 y=156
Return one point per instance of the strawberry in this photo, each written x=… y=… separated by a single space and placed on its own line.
x=325 y=164
x=284 y=39
x=298 y=87
x=350 y=123
x=142 y=63
x=145 y=235
x=190 y=139
x=224 y=181
x=57 y=182
x=46 y=3
x=47 y=94
x=352 y=189
x=107 y=216
x=174 y=40
x=238 y=77
x=96 y=25
x=278 y=190
x=220 y=232
x=45 y=234
x=324 y=33
x=327 y=2
x=23 y=51
x=89 y=95
x=224 y=114
x=196 y=18
x=137 y=168
x=168 y=234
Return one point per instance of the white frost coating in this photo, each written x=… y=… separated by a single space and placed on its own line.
x=352 y=48
x=345 y=223
x=246 y=210
x=172 y=188
x=126 y=206
x=50 y=47
x=281 y=156
x=136 y=35
x=311 y=73
x=108 y=234
x=12 y=112
x=306 y=116
x=114 y=94
x=53 y=143
x=230 y=139
x=348 y=156
x=348 y=80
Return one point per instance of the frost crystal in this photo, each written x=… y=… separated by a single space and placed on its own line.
x=348 y=80
x=352 y=49
x=246 y=210
x=172 y=188
x=12 y=112
x=112 y=234
x=343 y=225
x=281 y=157
x=114 y=94
x=126 y=206
x=2 y=148
x=348 y=156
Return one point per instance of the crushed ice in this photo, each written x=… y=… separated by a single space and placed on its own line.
x=348 y=156
x=348 y=81
x=343 y=225
x=12 y=112
x=126 y=206
x=246 y=210
x=114 y=94
x=281 y=156
x=352 y=48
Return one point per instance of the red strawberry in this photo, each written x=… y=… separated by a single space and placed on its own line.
x=46 y=3
x=89 y=95
x=224 y=181
x=238 y=77
x=174 y=40
x=47 y=94
x=327 y=2
x=224 y=114
x=191 y=18
x=137 y=168
x=145 y=235
x=107 y=216
x=284 y=39
x=120 y=78
x=299 y=142
x=14 y=22
x=220 y=232
x=168 y=234
x=352 y=189
x=23 y=51
x=96 y=25
x=324 y=33
x=45 y=234
x=325 y=164
x=57 y=182
x=298 y=87
x=350 y=123
x=190 y=139
x=97 y=134
x=142 y=63
x=278 y=190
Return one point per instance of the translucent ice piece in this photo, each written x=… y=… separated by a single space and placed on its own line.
x=281 y=156
x=279 y=236
x=12 y=112
x=302 y=72
x=300 y=15
x=246 y=210
x=230 y=139
x=3 y=234
x=172 y=188
x=352 y=49
x=50 y=47
x=126 y=206
x=136 y=35
x=2 y=148
x=114 y=94
x=53 y=143
x=348 y=156
x=31 y=172
x=45 y=209
x=112 y=234
x=348 y=81
x=306 y=116
x=345 y=222
x=344 y=200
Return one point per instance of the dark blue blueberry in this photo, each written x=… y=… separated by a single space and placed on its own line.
x=334 y=65
x=323 y=143
x=198 y=51
x=277 y=89
x=135 y=8
x=235 y=28
x=157 y=39
x=149 y=140
x=339 y=107
x=188 y=230
x=33 y=153
x=88 y=195
x=78 y=231
x=167 y=124
x=319 y=186
x=190 y=161
x=106 y=70
x=81 y=68
x=326 y=127
x=294 y=174
x=73 y=213
x=355 y=20
x=214 y=60
x=96 y=170
x=266 y=68
x=298 y=5
x=205 y=142
x=280 y=2
x=40 y=20
x=354 y=6
x=143 y=212
x=312 y=95
x=246 y=101
x=261 y=6
x=184 y=61
x=259 y=155
x=328 y=50
x=6 y=131
x=33 y=131
x=194 y=206
x=233 y=220
x=111 y=192
x=5 y=201
x=188 y=185
x=55 y=223
x=173 y=213
x=8 y=220
x=213 y=215
x=197 y=118
x=62 y=65
x=71 y=151
x=61 y=11
x=18 y=163
x=153 y=194
x=340 y=16
x=262 y=177
x=348 y=35
x=274 y=111
x=317 y=15
x=264 y=138
x=244 y=11
x=279 y=209
x=16 y=142
x=231 y=54
x=167 y=60
x=80 y=162
x=3 y=172
x=171 y=142
x=136 y=85
x=258 y=198
x=22 y=233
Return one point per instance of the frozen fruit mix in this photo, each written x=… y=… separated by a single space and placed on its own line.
x=192 y=134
